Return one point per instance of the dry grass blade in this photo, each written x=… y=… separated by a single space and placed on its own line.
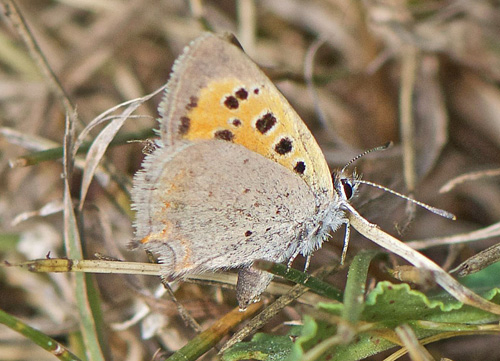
x=401 y=352
x=479 y=261
x=208 y=338
x=416 y=351
x=104 y=138
x=247 y=29
x=27 y=141
x=409 y=64
x=50 y=208
x=469 y=177
x=480 y=234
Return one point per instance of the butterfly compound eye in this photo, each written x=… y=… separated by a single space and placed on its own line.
x=347 y=188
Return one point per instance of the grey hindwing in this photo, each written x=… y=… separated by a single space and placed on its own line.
x=215 y=204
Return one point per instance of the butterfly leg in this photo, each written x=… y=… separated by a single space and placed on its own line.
x=347 y=235
x=294 y=255
x=185 y=315
x=251 y=283
x=308 y=262
x=306 y=265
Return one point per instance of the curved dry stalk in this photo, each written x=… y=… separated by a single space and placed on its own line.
x=483 y=233
x=467 y=177
x=102 y=141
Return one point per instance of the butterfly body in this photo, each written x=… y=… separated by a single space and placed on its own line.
x=236 y=177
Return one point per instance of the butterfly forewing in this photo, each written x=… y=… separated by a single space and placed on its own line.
x=217 y=92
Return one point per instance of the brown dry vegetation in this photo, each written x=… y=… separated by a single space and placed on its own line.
x=431 y=67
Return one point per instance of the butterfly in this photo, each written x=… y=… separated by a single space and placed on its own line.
x=236 y=176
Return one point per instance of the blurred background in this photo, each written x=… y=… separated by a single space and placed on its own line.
x=423 y=74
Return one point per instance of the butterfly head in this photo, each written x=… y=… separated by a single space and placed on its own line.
x=345 y=184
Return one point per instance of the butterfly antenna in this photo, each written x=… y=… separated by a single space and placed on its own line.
x=382 y=147
x=439 y=212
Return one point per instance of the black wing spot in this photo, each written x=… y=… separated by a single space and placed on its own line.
x=241 y=94
x=193 y=103
x=300 y=167
x=231 y=102
x=224 y=135
x=185 y=125
x=284 y=146
x=265 y=123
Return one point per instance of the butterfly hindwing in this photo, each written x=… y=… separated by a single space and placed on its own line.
x=215 y=204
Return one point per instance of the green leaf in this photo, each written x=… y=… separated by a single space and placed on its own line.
x=356 y=285
x=262 y=347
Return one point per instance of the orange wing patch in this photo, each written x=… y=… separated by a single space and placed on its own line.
x=256 y=117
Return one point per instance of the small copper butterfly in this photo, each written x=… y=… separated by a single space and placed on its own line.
x=236 y=176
